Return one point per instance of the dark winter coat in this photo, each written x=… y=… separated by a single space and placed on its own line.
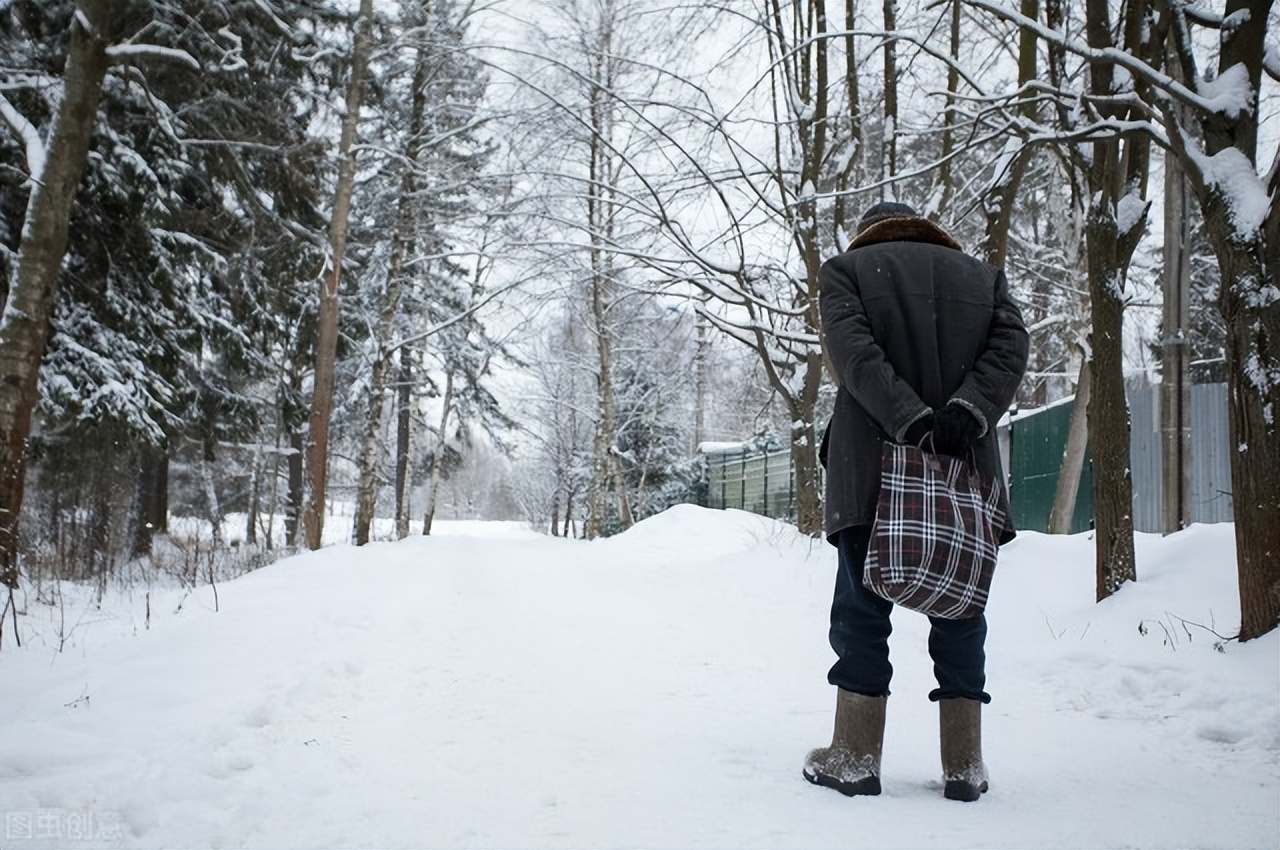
x=911 y=322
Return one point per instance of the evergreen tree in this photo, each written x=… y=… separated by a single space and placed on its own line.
x=193 y=224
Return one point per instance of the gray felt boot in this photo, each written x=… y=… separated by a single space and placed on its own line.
x=851 y=765
x=961 y=731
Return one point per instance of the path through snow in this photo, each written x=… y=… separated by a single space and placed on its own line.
x=656 y=689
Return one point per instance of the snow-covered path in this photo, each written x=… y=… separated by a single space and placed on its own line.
x=657 y=689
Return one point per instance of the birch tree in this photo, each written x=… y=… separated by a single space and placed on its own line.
x=595 y=135
x=403 y=243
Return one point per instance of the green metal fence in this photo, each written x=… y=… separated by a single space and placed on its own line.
x=1037 y=439
x=1035 y=457
x=752 y=480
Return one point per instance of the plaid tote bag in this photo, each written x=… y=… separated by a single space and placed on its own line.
x=936 y=533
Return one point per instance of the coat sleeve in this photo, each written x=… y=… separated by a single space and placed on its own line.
x=858 y=360
x=989 y=388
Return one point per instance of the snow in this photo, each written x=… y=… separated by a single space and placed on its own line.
x=1234 y=21
x=33 y=145
x=1245 y=194
x=712 y=446
x=1230 y=92
x=494 y=687
x=1131 y=212
x=127 y=53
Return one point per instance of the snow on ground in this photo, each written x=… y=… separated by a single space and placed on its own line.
x=656 y=689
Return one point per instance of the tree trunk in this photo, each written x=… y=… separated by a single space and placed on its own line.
x=625 y=517
x=597 y=494
x=1253 y=410
x=1253 y=378
x=370 y=455
x=297 y=485
x=1249 y=261
x=273 y=499
x=433 y=480
x=806 y=69
x=327 y=324
x=98 y=565
x=1108 y=408
x=844 y=214
x=404 y=443
x=949 y=112
x=600 y=213
x=999 y=203
x=402 y=244
x=889 y=155
x=151 y=500
x=255 y=495
x=213 y=507
x=1064 y=495
x=804 y=462
x=804 y=442
x=1111 y=178
x=24 y=325
x=370 y=451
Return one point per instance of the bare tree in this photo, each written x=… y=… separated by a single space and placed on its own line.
x=402 y=246
x=597 y=132
x=601 y=43
x=561 y=404
x=999 y=200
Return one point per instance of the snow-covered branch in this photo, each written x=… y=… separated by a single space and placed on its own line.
x=749 y=331
x=1202 y=15
x=1104 y=129
x=129 y=54
x=31 y=141
x=1111 y=55
x=233 y=59
x=455 y=319
x=275 y=19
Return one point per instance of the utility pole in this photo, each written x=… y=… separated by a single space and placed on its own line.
x=700 y=377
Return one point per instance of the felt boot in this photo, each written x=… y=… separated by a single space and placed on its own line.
x=851 y=765
x=963 y=772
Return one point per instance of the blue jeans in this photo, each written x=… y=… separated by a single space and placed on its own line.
x=860 y=635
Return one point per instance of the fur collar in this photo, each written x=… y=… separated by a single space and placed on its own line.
x=904 y=229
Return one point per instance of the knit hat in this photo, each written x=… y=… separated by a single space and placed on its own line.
x=883 y=210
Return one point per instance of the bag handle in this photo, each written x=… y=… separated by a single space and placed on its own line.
x=971 y=455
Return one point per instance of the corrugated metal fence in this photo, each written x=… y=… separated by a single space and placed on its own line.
x=762 y=482
x=1036 y=441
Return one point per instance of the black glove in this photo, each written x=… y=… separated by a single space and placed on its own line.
x=954 y=429
x=917 y=430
